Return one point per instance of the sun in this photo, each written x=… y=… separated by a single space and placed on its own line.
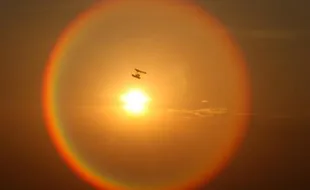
x=135 y=101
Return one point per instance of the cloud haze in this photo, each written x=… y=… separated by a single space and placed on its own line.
x=276 y=34
x=204 y=112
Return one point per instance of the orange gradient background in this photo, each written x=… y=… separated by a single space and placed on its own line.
x=189 y=57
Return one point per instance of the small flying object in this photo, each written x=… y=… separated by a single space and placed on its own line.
x=138 y=73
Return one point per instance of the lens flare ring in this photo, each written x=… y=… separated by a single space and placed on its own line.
x=51 y=112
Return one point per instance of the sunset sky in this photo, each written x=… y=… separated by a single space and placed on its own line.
x=225 y=91
x=188 y=56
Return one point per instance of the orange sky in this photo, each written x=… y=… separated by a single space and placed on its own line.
x=274 y=36
x=188 y=57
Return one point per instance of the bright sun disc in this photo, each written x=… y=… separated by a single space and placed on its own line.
x=135 y=101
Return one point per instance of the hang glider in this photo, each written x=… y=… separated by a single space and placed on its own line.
x=138 y=73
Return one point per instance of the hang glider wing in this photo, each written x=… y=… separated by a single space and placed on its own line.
x=140 y=71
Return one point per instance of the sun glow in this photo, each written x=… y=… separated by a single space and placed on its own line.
x=135 y=101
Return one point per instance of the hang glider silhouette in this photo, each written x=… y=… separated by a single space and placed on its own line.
x=138 y=73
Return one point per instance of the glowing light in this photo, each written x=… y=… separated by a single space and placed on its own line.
x=135 y=101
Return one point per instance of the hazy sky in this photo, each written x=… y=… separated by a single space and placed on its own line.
x=273 y=35
x=188 y=59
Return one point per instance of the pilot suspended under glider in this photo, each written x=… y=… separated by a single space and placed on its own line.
x=138 y=73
